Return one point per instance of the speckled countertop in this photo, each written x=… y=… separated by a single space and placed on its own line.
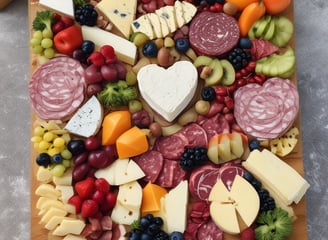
x=311 y=19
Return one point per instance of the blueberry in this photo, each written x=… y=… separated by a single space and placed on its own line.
x=87 y=46
x=76 y=147
x=245 y=43
x=153 y=229
x=256 y=184
x=208 y=93
x=134 y=235
x=182 y=45
x=145 y=236
x=144 y=223
x=149 y=49
x=254 y=144
x=176 y=236
x=57 y=159
x=43 y=159
x=158 y=221
x=248 y=176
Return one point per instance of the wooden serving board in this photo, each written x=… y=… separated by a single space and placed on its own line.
x=294 y=159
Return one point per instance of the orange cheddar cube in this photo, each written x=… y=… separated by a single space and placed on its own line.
x=151 y=196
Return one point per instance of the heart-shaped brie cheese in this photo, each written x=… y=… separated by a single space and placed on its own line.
x=168 y=91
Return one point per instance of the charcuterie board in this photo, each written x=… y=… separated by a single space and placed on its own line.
x=294 y=159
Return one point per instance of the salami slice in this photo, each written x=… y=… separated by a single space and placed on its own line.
x=214 y=125
x=195 y=134
x=151 y=164
x=209 y=231
x=56 y=88
x=213 y=34
x=171 y=146
x=227 y=174
x=267 y=111
x=171 y=174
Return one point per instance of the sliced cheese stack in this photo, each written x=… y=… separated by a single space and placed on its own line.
x=127 y=208
x=87 y=120
x=121 y=13
x=225 y=207
x=165 y=20
x=280 y=179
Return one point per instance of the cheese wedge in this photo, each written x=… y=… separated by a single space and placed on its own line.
x=142 y=24
x=130 y=195
x=65 y=6
x=69 y=226
x=180 y=20
x=156 y=25
x=168 y=14
x=121 y=13
x=124 y=215
x=189 y=11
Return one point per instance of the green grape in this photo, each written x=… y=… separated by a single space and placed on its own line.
x=58 y=170
x=135 y=106
x=59 y=142
x=66 y=163
x=49 y=53
x=46 y=43
x=35 y=42
x=36 y=139
x=39 y=131
x=131 y=78
x=43 y=145
x=37 y=35
x=37 y=49
x=49 y=136
x=53 y=150
x=47 y=33
x=66 y=154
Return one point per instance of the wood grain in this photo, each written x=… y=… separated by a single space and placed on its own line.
x=294 y=159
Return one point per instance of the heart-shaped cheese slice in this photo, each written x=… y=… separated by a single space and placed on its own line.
x=168 y=91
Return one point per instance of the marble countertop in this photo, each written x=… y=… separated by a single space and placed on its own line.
x=311 y=17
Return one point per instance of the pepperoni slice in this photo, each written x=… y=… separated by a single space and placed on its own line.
x=267 y=111
x=171 y=175
x=57 y=88
x=196 y=135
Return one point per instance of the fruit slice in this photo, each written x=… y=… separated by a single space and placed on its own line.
x=269 y=30
x=217 y=73
x=228 y=77
x=202 y=61
x=262 y=26
x=283 y=32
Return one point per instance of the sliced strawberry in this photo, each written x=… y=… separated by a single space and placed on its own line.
x=89 y=208
x=247 y=234
x=76 y=200
x=96 y=58
x=102 y=185
x=85 y=188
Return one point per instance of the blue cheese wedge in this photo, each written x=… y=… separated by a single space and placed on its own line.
x=156 y=24
x=189 y=11
x=168 y=14
x=121 y=13
x=64 y=6
x=142 y=24
x=179 y=14
x=87 y=120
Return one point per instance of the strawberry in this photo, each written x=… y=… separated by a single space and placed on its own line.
x=96 y=58
x=98 y=196
x=89 y=208
x=102 y=185
x=111 y=200
x=85 y=188
x=109 y=53
x=247 y=234
x=76 y=200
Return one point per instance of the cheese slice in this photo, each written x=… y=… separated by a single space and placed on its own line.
x=121 y=13
x=176 y=204
x=54 y=222
x=47 y=190
x=52 y=211
x=64 y=6
x=130 y=195
x=65 y=179
x=142 y=24
x=66 y=192
x=164 y=27
x=124 y=215
x=69 y=226
x=87 y=120
x=189 y=11
x=125 y=50
x=226 y=217
x=179 y=14
x=156 y=24
x=73 y=237
x=168 y=14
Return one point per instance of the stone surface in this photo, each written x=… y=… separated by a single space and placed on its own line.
x=311 y=37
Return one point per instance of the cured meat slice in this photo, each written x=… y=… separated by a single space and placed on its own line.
x=171 y=146
x=228 y=172
x=171 y=174
x=56 y=88
x=262 y=48
x=151 y=164
x=196 y=135
x=267 y=111
x=209 y=231
x=214 y=125
x=213 y=34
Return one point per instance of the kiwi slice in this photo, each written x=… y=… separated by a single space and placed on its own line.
x=228 y=77
x=217 y=73
x=284 y=31
x=202 y=61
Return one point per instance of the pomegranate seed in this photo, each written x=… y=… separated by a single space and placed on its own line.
x=221 y=91
x=229 y=103
x=241 y=82
x=258 y=79
x=218 y=7
x=252 y=64
x=250 y=80
x=232 y=88
x=219 y=98
x=244 y=72
x=238 y=75
x=212 y=8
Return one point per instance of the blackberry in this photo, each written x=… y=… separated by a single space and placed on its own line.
x=208 y=93
x=147 y=227
x=161 y=236
x=86 y=15
x=193 y=157
x=239 y=58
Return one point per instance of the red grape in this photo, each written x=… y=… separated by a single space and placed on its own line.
x=92 y=143
x=94 y=89
x=80 y=172
x=109 y=72
x=98 y=158
x=81 y=158
x=92 y=74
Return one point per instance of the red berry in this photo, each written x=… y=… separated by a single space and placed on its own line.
x=89 y=208
x=96 y=58
x=229 y=102
x=68 y=21
x=98 y=196
x=85 y=188
x=247 y=234
x=102 y=185
x=57 y=27
x=111 y=200
x=76 y=200
x=92 y=143
x=221 y=91
x=109 y=54
x=218 y=7
x=55 y=17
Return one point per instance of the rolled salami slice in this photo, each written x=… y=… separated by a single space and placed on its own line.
x=57 y=88
x=213 y=34
x=267 y=111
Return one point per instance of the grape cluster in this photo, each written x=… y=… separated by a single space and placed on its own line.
x=193 y=157
x=42 y=43
x=239 y=58
x=86 y=15
x=148 y=227
x=266 y=201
